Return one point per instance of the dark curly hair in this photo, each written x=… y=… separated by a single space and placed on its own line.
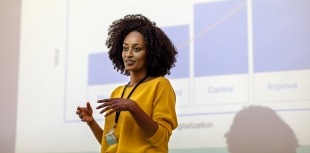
x=161 y=52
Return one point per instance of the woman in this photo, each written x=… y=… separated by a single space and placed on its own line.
x=139 y=116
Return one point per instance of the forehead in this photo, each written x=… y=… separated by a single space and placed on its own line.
x=134 y=37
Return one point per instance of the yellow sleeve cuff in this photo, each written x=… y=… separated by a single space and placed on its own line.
x=161 y=137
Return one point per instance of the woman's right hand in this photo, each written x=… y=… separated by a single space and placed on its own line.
x=85 y=113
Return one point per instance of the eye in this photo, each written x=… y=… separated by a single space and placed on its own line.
x=125 y=48
x=136 y=49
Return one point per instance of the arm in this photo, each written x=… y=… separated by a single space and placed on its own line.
x=163 y=112
x=158 y=123
x=146 y=124
x=85 y=114
x=96 y=129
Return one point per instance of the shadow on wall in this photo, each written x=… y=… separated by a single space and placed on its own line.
x=259 y=129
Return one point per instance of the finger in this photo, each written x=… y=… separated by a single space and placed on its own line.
x=88 y=106
x=109 y=102
x=81 y=108
x=113 y=106
x=82 y=119
x=105 y=109
x=103 y=105
x=104 y=100
x=109 y=112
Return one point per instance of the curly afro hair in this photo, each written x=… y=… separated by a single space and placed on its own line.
x=161 y=52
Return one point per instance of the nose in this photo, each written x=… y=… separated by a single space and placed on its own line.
x=129 y=53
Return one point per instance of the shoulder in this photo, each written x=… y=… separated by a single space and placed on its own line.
x=161 y=80
x=161 y=83
x=117 y=90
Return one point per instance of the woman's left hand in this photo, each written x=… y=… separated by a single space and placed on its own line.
x=115 y=104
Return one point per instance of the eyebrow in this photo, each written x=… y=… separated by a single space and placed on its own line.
x=133 y=44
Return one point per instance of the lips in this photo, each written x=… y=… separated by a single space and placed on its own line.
x=129 y=62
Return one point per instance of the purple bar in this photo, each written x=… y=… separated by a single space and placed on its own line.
x=100 y=70
x=179 y=35
x=220 y=45
x=281 y=31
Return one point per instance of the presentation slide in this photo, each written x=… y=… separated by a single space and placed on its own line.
x=242 y=77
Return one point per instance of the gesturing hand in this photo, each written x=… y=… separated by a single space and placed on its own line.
x=85 y=113
x=115 y=104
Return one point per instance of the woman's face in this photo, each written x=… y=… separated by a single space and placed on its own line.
x=134 y=52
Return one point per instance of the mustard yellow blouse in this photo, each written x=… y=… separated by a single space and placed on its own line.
x=157 y=99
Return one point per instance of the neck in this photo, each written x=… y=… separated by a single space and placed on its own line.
x=136 y=78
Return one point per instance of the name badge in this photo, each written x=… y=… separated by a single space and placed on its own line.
x=111 y=140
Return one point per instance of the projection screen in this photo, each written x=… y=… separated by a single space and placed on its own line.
x=242 y=74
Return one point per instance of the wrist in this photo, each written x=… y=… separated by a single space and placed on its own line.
x=91 y=121
x=133 y=107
